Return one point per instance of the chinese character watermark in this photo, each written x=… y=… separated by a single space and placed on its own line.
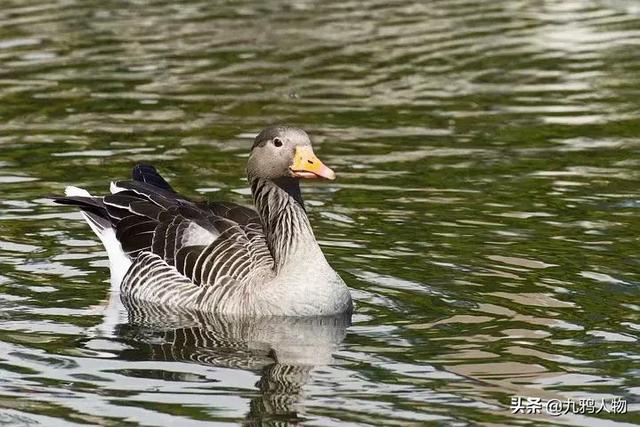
x=557 y=407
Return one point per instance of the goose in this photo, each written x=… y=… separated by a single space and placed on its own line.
x=221 y=257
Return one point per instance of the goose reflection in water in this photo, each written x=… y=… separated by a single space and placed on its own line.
x=282 y=350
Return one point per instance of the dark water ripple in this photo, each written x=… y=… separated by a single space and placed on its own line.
x=486 y=214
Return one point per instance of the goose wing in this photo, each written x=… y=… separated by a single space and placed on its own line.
x=207 y=243
x=196 y=255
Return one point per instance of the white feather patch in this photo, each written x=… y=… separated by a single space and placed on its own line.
x=196 y=235
x=72 y=191
x=114 y=188
x=119 y=262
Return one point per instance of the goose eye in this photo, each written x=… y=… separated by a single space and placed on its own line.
x=277 y=142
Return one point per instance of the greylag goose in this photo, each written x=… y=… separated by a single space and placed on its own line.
x=219 y=256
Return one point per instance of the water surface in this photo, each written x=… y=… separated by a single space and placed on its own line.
x=485 y=215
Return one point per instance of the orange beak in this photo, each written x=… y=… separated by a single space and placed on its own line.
x=307 y=165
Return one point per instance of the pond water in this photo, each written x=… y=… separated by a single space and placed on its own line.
x=485 y=216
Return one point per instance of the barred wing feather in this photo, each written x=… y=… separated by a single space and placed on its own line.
x=216 y=245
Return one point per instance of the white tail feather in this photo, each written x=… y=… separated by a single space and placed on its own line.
x=119 y=262
x=72 y=191
x=114 y=188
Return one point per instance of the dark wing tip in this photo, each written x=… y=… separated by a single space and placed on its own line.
x=81 y=201
x=61 y=200
x=149 y=174
x=93 y=207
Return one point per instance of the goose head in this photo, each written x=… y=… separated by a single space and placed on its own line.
x=285 y=152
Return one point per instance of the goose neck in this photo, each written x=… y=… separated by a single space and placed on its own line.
x=288 y=232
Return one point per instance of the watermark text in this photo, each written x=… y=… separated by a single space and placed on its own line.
x=557 y=407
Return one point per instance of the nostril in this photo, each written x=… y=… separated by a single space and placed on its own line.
x=310 y=162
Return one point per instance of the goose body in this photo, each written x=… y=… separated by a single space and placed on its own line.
x=219 y=256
